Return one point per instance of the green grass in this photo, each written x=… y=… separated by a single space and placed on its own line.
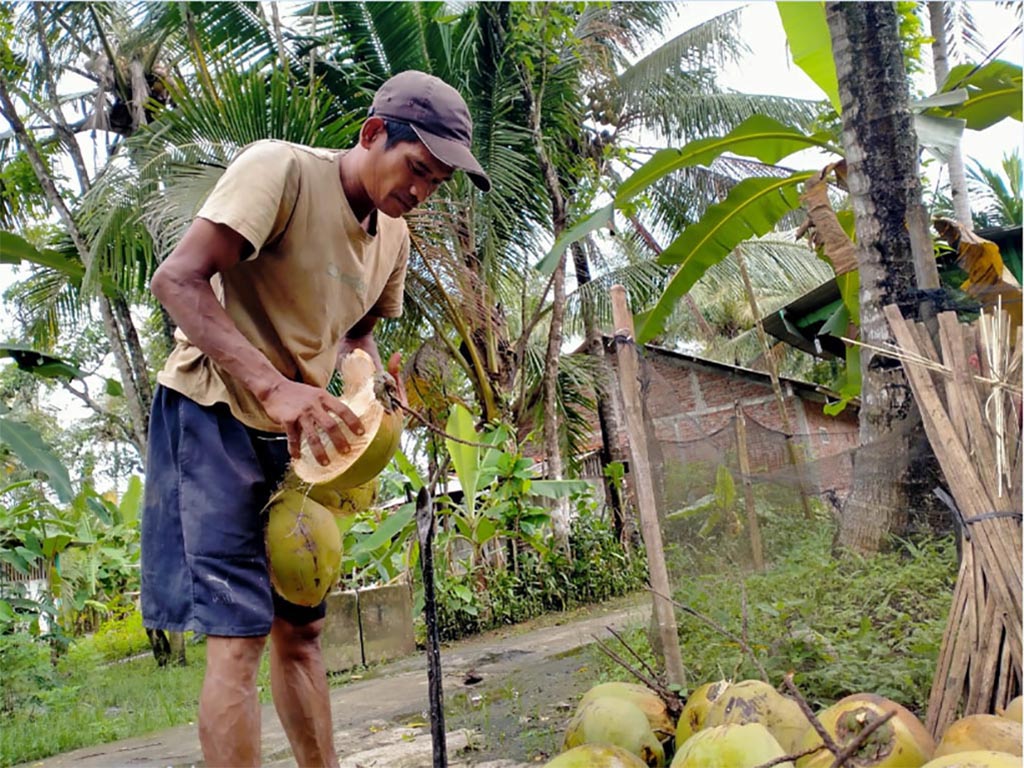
x=842 y=625
x=88 y=701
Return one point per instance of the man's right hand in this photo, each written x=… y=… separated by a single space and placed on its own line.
x=304 y=412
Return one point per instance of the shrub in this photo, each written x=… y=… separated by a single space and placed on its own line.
x=119 y=637
x=27 y=672
x=598 y=570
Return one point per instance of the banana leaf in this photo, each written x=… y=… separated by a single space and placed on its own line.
x=752 y=208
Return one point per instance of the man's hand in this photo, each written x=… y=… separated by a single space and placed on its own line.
x=395 y=369
x=304 y=411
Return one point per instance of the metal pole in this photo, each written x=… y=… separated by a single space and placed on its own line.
x=435 y=691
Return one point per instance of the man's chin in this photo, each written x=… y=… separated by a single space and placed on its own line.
x=395 y=208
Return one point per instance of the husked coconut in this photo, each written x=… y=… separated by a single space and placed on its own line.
x=646 y=700
x=617 y=722
x=695 y=711
x=754 y=701
x=371 y=395
x=901 y=742
x=303 y=548
x=730 y=746
x=980 y=758
x=975 y=732
x=596 y=756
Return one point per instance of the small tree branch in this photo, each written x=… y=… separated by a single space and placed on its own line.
x=744 y=646
x=824 y=735
x=652 y=684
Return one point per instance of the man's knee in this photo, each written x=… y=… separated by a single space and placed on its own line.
x=297 y=640
x=235 y=655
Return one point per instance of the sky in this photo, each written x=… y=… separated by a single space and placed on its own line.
x=767 y=69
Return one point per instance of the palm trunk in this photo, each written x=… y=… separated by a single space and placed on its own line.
x=940 y=63
x=884 y=182
x=607 y=419
x=559 y=217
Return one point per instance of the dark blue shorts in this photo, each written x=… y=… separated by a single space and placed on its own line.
x=204 y=564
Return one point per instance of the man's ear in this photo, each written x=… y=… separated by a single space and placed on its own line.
x=372 y=130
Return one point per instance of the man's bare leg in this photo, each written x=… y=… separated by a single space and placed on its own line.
x=298 y=681
x=229 y=707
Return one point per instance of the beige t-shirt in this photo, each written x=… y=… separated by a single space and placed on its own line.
x=314 y=273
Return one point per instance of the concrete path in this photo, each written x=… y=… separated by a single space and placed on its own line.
x=382 y=721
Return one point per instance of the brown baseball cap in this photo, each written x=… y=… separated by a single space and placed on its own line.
x=438 y=115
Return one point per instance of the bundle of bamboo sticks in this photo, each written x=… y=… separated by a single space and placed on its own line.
x=969 y=394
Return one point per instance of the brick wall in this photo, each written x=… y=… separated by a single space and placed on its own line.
x=687 y=398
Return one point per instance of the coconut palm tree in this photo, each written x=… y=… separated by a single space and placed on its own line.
x=471 y=285
x=46 y=43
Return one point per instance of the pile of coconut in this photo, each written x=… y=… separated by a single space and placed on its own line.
x=750 y=724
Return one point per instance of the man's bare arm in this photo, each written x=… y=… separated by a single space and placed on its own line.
x=182 y=285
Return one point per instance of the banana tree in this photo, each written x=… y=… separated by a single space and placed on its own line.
x=496 y=483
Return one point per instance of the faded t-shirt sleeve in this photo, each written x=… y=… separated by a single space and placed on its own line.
x=256 y=194
x=390 y=302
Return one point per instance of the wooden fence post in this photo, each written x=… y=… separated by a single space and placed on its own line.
x=756 y=547
x=795 y=457
x=640 y=469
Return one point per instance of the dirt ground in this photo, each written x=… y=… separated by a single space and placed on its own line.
x=508 y=695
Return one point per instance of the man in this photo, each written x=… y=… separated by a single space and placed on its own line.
x=286 y=268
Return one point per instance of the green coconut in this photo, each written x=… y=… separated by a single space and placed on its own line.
x=975 y=732
x=370 y=394
x=730 y=746
x=902 y=742
x=695 y=710
x=650 y=703
x=349 y=501
x=978 y=758
x=596 y=756
x=754 y=701
x=618 y=722
x=303 y=548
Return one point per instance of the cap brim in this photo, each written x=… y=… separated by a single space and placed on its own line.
x=456 y=155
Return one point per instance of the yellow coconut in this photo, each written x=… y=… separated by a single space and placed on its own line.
x=650 y=703
x=596 y=756
x=303 y=548
x=902 y=742
x=754 y=701
x=1014 y=710
x=979 y=758
x=975 y=732
x=695 y=710
x=369 y=394
x=345 y=502
x=730 y=746
x=617 y=722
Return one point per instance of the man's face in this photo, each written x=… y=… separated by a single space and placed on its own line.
x=404 y=176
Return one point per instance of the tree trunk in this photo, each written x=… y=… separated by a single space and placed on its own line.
x=549 y=384
x=940 y=63
x=607 y=419
x=881 y=153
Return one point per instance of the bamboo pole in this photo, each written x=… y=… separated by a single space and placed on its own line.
x=640 y=469
x=773 y=372
x=756 y=546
